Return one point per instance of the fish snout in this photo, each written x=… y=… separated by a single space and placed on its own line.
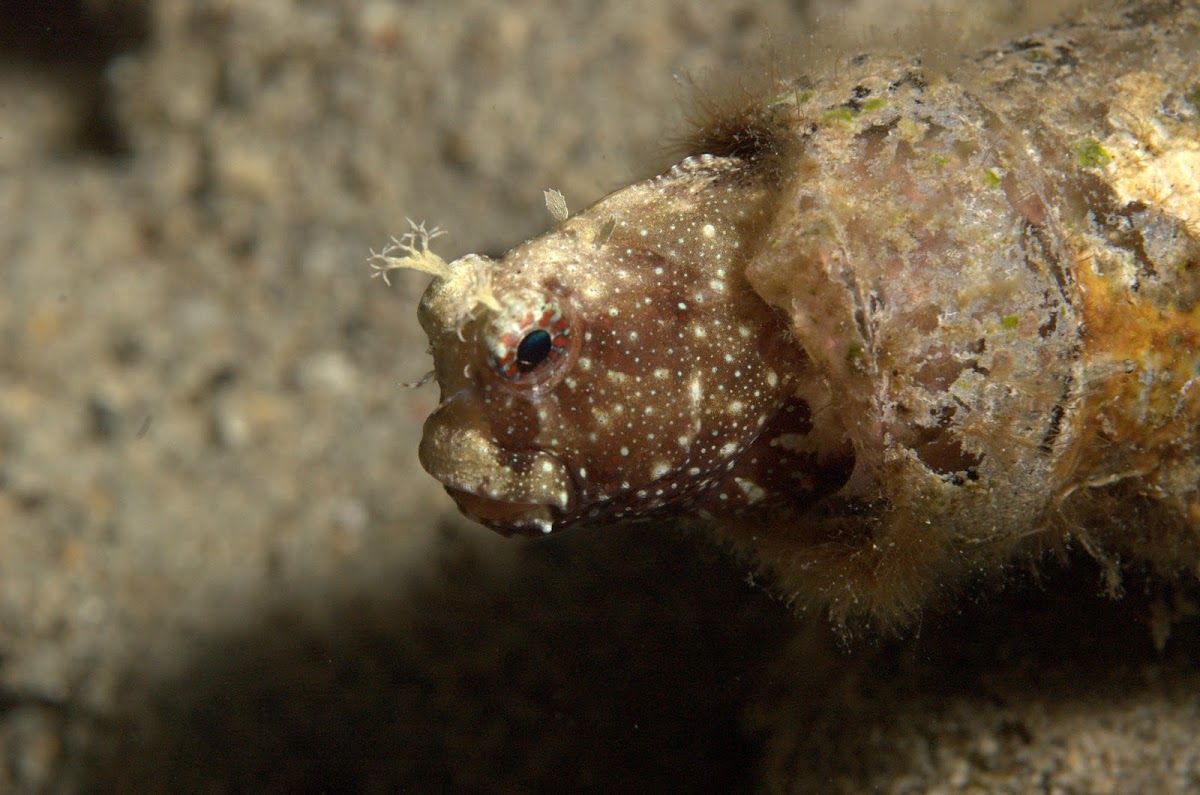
x=510 y=491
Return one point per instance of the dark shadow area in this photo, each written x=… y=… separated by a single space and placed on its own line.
x=627 y=660
x=74 y=41
x=613 y=661
x=1018 y=673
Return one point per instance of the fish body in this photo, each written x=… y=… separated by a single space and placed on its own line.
x=886 y=327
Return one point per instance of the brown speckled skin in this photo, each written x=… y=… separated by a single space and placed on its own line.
x=675 y=368
x=894 y=326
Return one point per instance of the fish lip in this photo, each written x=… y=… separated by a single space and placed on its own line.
x=509 y=491
x=506 y=518
x=560 y=498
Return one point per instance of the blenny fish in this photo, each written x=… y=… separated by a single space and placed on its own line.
x=884 y=327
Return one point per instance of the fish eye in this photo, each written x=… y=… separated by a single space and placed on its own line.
x=529 y=339
x=534 y=349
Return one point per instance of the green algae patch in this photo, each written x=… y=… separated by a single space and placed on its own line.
x=1090 y=154
x=840 y=114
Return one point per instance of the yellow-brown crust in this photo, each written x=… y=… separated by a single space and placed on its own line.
x=996 y=271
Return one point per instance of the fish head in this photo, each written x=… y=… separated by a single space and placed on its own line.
x=613 y=368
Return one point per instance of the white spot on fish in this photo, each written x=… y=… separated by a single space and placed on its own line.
x=752 y=491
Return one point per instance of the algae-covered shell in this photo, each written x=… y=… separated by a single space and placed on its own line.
x=887 y=327
x=997 y=271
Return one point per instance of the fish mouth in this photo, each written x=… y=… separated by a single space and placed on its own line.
x=526 y=492
x=506 y=518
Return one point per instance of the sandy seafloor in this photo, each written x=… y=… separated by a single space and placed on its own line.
x=221 y=567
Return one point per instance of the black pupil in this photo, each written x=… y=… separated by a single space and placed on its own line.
x=533 y=350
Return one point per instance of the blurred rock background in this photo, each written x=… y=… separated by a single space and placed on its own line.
x=221 y=568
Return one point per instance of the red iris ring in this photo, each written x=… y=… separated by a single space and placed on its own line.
x=553 y=322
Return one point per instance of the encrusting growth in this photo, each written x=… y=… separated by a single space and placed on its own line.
x=886 y=328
